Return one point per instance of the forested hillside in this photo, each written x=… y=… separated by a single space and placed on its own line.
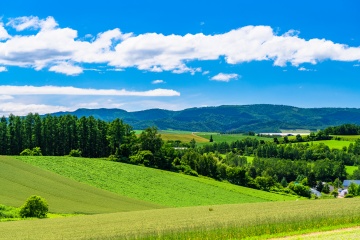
x=258 y=118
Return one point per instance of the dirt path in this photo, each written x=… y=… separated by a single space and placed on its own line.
x=336 y=233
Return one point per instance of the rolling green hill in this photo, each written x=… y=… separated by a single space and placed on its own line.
x=19 y=180
x=242 y=118
x=151 y=185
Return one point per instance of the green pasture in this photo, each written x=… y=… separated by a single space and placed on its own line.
x=19 y=180
x=334 y=143
x=231 y=221
x=348 y=137
x=151 y=185
x=350 y=169
x=217 y=137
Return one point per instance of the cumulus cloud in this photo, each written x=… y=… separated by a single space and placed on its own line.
x=157 y=81
x=223 y=77
x=54 y=48
x=3 y=33
x=3 y=69
x=66 y=68
x=55 y=90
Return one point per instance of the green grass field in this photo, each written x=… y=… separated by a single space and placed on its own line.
x=348 y=137
x=19 y=181
x=217 y=137
x=336 y=144
x=350 y=169
x=234 y=221
x=151 y=185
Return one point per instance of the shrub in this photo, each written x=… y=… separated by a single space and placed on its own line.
x=36 y=151
x=26 y=152
x=75 y=153
x=349 y=195
x=300 y=189
x=35 y=206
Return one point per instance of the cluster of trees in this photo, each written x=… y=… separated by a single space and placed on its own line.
x=345 y=129
x=57 y=136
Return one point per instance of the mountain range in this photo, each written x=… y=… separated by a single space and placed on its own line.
x=229 y=118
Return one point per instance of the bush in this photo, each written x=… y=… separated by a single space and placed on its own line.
x=35 y=206
x=75 y=153
x=36 y=151
x=300 y=189
x=26 y=152
x=349 y=195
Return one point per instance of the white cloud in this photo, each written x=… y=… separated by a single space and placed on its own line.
x=157 y=81
x=53 y=48
x=303 y=69
x=3 y=33
x=206 y=72
x=3 y=69
x=356 y=65
x=223 y=77
x=55 y=90
x=21 y=109
x=66 y=68
x=6 y=97
x=31 y=22
x=306 y=69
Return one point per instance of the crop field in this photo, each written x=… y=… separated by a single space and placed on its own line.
x=19 y=181
x=232 y=221
x=183 y=137
x=151 y=185
x=217 y=137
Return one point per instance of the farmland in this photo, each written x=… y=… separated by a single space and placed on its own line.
x=217 y=137
x=204 y=222
x=151 y=185
x=19 y=180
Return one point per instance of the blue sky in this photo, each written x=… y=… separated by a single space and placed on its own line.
x=137 y=55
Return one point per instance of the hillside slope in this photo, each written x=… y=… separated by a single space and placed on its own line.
x=258 y=118
x=151 y=185
x=19 y=180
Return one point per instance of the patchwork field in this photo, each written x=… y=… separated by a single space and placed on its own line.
x=19 y=180
x=151 y=185
x=217 y=137
x=234 y=221
x=333 y=143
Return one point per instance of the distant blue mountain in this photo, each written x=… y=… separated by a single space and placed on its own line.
x=242 y=118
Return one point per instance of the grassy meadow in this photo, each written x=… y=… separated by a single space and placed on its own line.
x=350 y=169
x=217 y=137
x=151 y=185
x=19 y=181
x=231 y=221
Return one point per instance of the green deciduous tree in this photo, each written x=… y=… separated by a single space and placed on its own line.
x=35 y=206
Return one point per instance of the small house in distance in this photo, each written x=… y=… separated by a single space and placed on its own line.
x=347 y=183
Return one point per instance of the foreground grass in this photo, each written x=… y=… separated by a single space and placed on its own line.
x=237 y=221
x=151 y=185
x=19 y=180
